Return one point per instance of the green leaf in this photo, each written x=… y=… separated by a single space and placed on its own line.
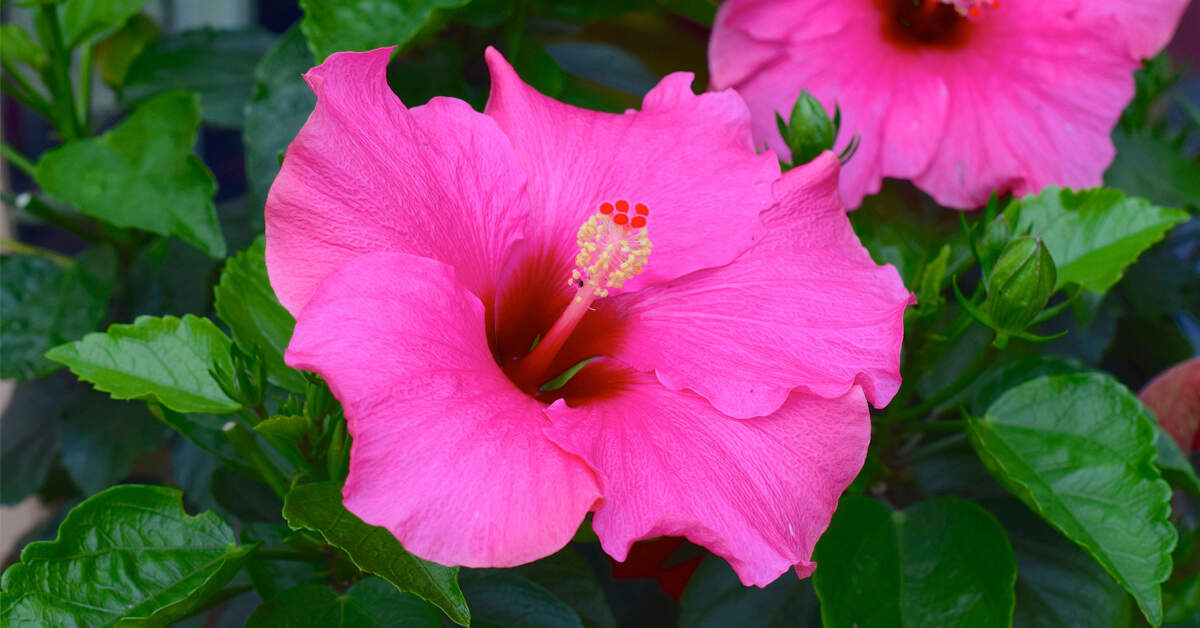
x=604 y=64
x=370 y=602
x=715 y=598
x=585 y=10
x=271 y=576
x=536 y=67
x=84 y=18
x=1009 y=374
x=247 y=304
x=942 y=562
x=1181 y=600
x=128 y=556
x=1175 y=466
x=1079 y=451
x=702 y=11
x=569 y=578
x=28 y=441
x=335 y=25
x=500 y=599
x=45 y=304
x=1092 y=235
x=204 y=431
x=17 y=46
x=117 y=52
x=239 y=497
x=1152 y=168
x=318 y=507
x=163 y=359
x=1058 y=585
x=904 y=228
x=99 y=438
x=281 y=104
x=430 y=71
x=216 y=64
x=949 y=467
x=170 y=277
x=142 y=174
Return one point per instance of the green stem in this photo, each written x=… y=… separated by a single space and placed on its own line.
x=22 y=248
x=40 y=209
x=15 y=157
x=982 y=362
x=248 y=415
x=58 y=75
x=84 y=115
x=24 y=91
x=243 y=441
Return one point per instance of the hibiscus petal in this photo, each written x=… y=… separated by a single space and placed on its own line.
x=689 y=158
x=758 y=493
x=1149 y=24
x=806 y=309
x=769 y=51
x=448 y=455
x=1035 y=97
x=367 y=175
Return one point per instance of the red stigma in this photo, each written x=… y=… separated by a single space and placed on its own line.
x=620 y=219
x=638 y=222
x=622 y=206
x=642 y=209
x=606 y=208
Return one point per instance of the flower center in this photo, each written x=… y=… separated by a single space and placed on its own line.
x=931 y=23
x=613 y=247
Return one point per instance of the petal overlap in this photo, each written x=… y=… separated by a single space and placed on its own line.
x=689 y=158
x=758 y=493
x=806 y=308
x=447 y=454
x=367 y=175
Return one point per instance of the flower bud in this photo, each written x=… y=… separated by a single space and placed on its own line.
x=809 y=132
x=1020 y=284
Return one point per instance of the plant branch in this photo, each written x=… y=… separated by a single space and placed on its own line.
x=243 y=441
x=87 y=63
x=15 y=157
x=968 y=377
x=58 y=75
x=24 y=91
x=22 y=248
x=40 y=209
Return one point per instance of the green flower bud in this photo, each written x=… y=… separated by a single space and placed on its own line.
x=1020 y=284
x=809 y=132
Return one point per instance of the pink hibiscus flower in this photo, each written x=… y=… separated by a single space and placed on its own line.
x=444 y=265
x=963 y=97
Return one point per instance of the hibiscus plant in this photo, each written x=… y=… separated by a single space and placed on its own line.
x=601 y=313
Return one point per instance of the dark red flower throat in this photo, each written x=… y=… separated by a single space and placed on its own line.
x=917 y=24
x=551 y=314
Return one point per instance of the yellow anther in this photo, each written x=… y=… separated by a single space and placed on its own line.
x=609 y=253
